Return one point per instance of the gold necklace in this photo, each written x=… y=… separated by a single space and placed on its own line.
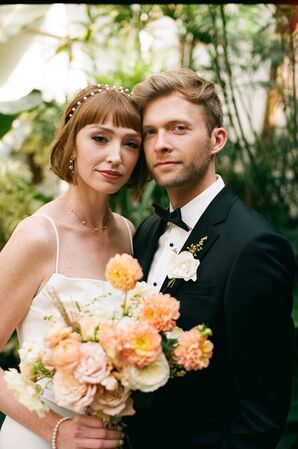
x=95 y=229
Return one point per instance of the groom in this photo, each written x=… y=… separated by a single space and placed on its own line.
x=243 y=286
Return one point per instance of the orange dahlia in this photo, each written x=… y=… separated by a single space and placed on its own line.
x=123 y=272
x=162 y=311
x=193 y=351
x=139 y=344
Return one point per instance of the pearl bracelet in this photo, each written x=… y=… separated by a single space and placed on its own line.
x=55 y=431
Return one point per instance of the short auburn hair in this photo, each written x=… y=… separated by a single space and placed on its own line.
x=93 y=105
x=194 y=88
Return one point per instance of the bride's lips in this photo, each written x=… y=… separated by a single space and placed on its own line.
x=110 y=174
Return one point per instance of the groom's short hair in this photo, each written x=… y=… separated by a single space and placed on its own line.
x=193 y=87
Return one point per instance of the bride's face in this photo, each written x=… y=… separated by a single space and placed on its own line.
x=105 y=156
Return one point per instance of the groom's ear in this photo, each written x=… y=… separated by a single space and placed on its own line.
x=219 y=138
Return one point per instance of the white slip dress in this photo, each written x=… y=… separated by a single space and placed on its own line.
x=33 y=327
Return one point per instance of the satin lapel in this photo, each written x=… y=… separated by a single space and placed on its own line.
x=216 y=212
x=150 y=236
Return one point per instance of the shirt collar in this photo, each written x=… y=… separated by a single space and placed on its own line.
x=193 y=210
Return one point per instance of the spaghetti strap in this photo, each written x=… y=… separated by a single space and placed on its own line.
x=129 y=233
x=57 y=238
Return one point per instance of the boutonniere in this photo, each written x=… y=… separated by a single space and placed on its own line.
x=184 y=265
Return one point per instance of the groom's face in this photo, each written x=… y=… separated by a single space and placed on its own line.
x=177 y=144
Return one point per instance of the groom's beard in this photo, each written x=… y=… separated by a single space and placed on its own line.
x=186 y=175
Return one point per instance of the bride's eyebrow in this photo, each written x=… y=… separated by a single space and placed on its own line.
x=99 y=127
x=133 y=134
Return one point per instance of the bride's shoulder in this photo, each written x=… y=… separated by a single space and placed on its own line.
x=31 y=246
x=123 y=222
x=35 y=231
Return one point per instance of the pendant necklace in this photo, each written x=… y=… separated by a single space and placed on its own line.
x=93 y=228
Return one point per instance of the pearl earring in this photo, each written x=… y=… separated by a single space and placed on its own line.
x=71 y=166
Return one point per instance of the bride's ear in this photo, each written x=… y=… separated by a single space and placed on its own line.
x=219 y=138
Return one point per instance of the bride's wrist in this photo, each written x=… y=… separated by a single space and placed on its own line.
x=56 y=429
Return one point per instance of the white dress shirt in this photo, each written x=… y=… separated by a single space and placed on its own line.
x=174 y=237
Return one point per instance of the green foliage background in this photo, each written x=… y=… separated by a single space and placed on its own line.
x=260 y=160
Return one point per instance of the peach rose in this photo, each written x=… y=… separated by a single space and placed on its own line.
x=66 y=354
x=123 y=272
x=81 y=405
x=93 y=366
x=193 y=351
x=57 y=333
x=111 y=403
x=162 y=311
x=108 y=338
x=139 y=344
x=68 y=391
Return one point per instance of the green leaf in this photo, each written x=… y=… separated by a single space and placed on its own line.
x=26 y=103
x=6 y=123
x=168 y=344
x=146 y=201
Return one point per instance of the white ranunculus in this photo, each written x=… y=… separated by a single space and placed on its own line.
x=174 y=333
x=27 y=392
x=30 y=351
x=89 y=327
x=135 y=299
x=149 y=378
x=183 y=266
x=142 y=290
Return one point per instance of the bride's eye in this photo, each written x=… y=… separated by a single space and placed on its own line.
x=132 y=145
x=100 y=139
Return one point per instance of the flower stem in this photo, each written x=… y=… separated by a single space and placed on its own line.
x=124 y=305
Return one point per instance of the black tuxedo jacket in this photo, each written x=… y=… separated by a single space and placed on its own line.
x=243 y=292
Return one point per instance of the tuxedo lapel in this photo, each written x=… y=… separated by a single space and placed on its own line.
x=146 y=241
x=205 y=231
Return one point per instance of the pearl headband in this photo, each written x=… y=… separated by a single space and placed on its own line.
x=99 y=88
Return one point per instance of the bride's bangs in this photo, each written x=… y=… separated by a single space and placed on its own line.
x=106 y=105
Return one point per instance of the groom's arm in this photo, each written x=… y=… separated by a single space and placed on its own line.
x=260 y=332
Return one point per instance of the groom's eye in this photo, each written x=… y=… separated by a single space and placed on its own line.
x=148 y=132
x=179 y=128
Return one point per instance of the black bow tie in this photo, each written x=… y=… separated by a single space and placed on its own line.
x=173 y=217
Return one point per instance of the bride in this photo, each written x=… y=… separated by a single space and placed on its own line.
x=65 y=246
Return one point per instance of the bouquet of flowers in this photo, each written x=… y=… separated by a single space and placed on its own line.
x=97 y=354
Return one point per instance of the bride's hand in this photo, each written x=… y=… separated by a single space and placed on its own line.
x=87 y=432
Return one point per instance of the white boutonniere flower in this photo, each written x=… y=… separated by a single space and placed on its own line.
x=184 y=265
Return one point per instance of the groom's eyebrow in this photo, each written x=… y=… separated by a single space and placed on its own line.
x=168 y=123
